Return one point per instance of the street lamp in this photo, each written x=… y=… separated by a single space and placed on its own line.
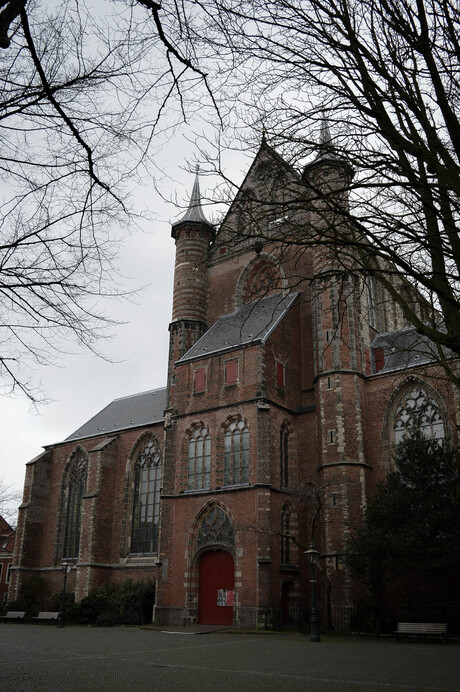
x=314 y=626
x=66 y=566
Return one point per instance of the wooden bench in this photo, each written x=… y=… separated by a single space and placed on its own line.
x=421 y=629
x=13 y=616
x=46 y=616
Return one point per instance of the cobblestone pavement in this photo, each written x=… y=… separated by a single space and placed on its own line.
x=40 y=657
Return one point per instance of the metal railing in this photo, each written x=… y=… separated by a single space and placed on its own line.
x=357 y=619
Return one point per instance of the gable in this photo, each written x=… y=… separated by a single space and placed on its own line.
x=257 y=209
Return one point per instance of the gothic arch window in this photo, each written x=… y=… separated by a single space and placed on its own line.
x=236 y=453
x=284 y=455
x=262 y=276
x=199 y=459
x=74 y=491
x=146 y=499
x=215 y=527
x=418 y=409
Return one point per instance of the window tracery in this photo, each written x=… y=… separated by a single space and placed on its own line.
x=199 y=459
x=216 y=527
x=418 y=410
x=146 y=500
x=236 y=454
x=76 y=486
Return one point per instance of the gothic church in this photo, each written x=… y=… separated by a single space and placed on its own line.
x=284 y=375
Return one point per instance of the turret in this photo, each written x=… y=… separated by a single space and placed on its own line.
x=329 y=171
x=193 y=234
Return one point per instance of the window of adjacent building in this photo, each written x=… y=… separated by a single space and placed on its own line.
x=418 y=410
x=76 y=487
x=284 y=456
x=146 y=500
x=8 y=573
x=236 y=454
x=280 y=381
x=199 y=384
x=1 y=570
x=285 y=536
x=231 y=371
x=199 y=459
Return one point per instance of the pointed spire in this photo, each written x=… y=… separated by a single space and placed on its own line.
x=325 y=138
x=326 y=148
x=194 y=212
x=328 y=153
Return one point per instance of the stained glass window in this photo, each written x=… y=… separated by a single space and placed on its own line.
x=76 y=486
x=146 y=501
x=236 y=454
x=199 y=459
x=418 y=410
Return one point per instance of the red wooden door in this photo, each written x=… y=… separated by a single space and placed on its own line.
x=216 y=574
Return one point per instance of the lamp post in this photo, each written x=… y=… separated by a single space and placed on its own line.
x=66 y=566
x=314 y=625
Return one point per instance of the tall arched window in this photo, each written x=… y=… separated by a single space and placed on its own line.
x=284 y=456
x=199 y=459
x=417 y=409
x=236 y=454
x=146 y=500
x=76 y=486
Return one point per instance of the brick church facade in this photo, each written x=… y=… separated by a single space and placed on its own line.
x=288 y=384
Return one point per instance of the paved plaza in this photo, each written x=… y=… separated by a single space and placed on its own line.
x=35 y=657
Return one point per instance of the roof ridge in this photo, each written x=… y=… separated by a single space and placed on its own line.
x=131 y=396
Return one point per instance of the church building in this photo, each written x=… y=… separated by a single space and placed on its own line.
x=290 y=379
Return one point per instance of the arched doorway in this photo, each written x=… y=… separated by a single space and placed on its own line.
x=216 y=584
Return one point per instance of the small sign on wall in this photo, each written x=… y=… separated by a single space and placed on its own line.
x=225 y=597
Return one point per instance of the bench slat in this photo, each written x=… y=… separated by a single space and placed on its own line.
x=421 y=628
x=46 y=615
x=13 y=615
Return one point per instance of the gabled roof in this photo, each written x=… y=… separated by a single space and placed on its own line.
x=405 y=348
x=249 y=324
x=264 y=154
x=128 y=412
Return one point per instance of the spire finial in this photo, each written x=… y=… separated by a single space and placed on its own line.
x=264 y=132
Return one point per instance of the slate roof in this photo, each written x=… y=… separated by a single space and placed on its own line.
x=404 y=348
x=128 y=412
x=249 y=324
